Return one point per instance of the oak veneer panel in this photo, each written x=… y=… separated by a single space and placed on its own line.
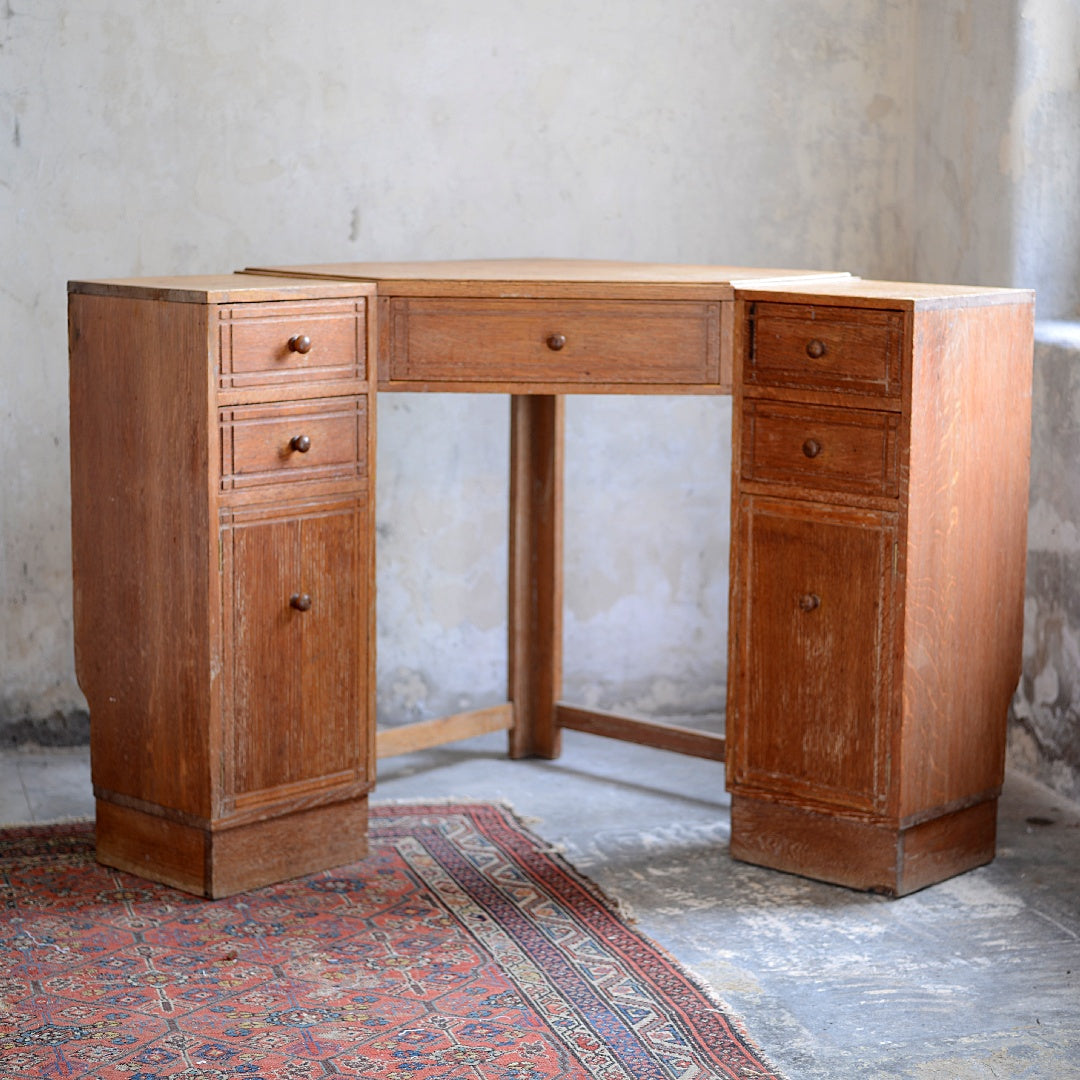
x=967 y=531
x=231 y=860
x=850 y=851
x=535 y=340
x=947 y=845
x=825 y=348
x=811 y=718
x=285 y=847
x=294 y=690
x=861 y=853
x=257 y=442
x=828 y=449
x=254 y=342
x=151 y=846
x=144 y=609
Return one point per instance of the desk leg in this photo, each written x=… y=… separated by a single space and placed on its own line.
x=536 y=579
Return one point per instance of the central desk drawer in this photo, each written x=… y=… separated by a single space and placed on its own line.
x=554 y=341
x=825 y=449
x=271 y=444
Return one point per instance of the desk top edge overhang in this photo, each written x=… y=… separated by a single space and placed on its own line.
x=492 y=278
x=542 y=271
x=520 y=276
x=220 y=288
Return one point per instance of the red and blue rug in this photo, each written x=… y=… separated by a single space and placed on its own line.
x=462 y=947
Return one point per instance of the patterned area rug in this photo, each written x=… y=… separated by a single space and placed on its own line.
x=461 y=948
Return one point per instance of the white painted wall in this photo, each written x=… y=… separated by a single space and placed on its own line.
x=997 y=127
x=188 y=137
x=197 y=136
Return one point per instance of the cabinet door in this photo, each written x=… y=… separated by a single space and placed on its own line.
x=296 y=641
x=811 y=663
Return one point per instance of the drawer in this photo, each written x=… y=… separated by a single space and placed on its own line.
x=545 y=341
x=271 y=444
x=849 y=450
x=294 y=341
x=852 y=350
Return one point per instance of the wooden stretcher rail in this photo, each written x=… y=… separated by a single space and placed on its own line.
x=390 y=742
x=672 y=737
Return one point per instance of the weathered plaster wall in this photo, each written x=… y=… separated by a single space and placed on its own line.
x=1044 y=738
x=1043 y=158
x=997 y=151
x=138 y=139
x=895 y=138
x=965 y=78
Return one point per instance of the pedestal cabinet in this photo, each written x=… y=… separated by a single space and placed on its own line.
x=222 y=437
x=879 y=510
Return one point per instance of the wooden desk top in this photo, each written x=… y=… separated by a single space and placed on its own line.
x=553 y=271
x=550 y=277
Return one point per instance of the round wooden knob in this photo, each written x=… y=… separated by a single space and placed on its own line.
x=300 y=343
x=300 y=443
x=556 y=342
x=300 y=601
x=811 y=448
x=815 y=349
x=809 y=601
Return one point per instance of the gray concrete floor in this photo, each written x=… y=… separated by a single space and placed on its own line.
x=976 y=977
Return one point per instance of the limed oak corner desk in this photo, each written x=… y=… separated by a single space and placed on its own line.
x=223 y=436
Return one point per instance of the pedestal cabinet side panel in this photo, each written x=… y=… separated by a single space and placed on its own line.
x=813 y=670
x=296 y=619
x=967 y=531
x=139 y=383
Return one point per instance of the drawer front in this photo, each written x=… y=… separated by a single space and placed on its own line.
x=294 y=341
x=852 y=350
x=849 y=450
x=545 y=341
x=271 y=444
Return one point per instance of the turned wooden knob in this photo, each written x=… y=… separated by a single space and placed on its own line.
x=811 y=448
x=300 y=601
x=815 y=349
x=809 y=601
x=300 y=443
x=300 y=343
x=556 y=342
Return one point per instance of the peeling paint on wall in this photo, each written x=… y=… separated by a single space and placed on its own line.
x=1044 y=734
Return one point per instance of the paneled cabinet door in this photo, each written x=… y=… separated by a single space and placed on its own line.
x=812 y=661
x=295 y=633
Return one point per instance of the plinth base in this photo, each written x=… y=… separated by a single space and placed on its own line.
x=872 y=856
x=217 y=863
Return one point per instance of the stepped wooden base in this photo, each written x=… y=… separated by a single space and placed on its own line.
x=219 y=863
x=877 y=857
